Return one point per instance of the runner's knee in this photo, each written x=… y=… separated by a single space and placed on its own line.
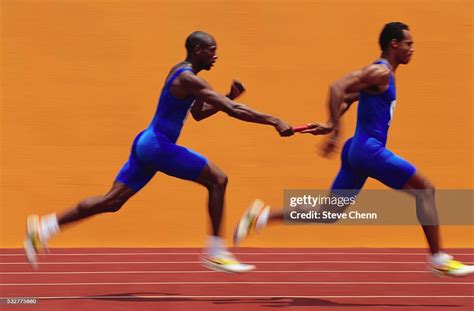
x=219 y=181
x=427 y=191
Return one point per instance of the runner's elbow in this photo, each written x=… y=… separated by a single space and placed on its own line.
x=197 y=116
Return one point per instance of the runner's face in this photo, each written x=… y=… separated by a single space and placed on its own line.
x=208 y=56
x=405 y=48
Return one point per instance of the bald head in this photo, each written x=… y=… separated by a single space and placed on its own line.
x=198 y=38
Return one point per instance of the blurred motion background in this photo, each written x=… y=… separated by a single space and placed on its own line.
x=80 y=78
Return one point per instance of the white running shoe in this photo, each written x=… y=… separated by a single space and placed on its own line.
x=250 y=220
x=452 y=268
x=225 y=262
x=33 y=243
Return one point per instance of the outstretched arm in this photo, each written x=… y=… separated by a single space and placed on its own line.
x=201 y=110
x=203 y=91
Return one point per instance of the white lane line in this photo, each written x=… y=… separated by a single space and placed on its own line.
x=198 y=262
x=235 y=253
x=208 y=271
x=235 y=283
x=229 y=297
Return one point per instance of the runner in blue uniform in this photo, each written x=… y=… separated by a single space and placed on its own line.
x=155 y=150
x=365 y=154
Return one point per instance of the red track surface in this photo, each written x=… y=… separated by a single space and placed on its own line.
x=290 y=279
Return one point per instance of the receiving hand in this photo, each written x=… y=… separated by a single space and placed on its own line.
x=318 y=129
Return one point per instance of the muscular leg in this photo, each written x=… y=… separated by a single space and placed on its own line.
x=215 y=181
x=184 y=163
x=397 y=173
x=135 y=173
x=424 y=193
x=110 y=202
x=40 y=231
x=348 y=182
x=276 y=215
x=216 y=257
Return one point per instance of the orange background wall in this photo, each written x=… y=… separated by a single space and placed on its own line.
x=81 y=78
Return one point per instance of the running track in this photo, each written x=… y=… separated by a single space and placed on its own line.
x=286 y=279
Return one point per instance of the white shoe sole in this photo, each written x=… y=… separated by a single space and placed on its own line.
x=233 y=268
x=467 y=270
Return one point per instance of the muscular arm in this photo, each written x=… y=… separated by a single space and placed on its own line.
x=202 y=91
x=349 y=99
x=201 y=110
x=345 y=90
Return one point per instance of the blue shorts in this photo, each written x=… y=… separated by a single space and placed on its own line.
x=363 y=158
x=152 y=152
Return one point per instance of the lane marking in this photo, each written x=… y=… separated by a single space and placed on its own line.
x=236 y=283
x=210 y=271
x=199 y=262
x=235 y=253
